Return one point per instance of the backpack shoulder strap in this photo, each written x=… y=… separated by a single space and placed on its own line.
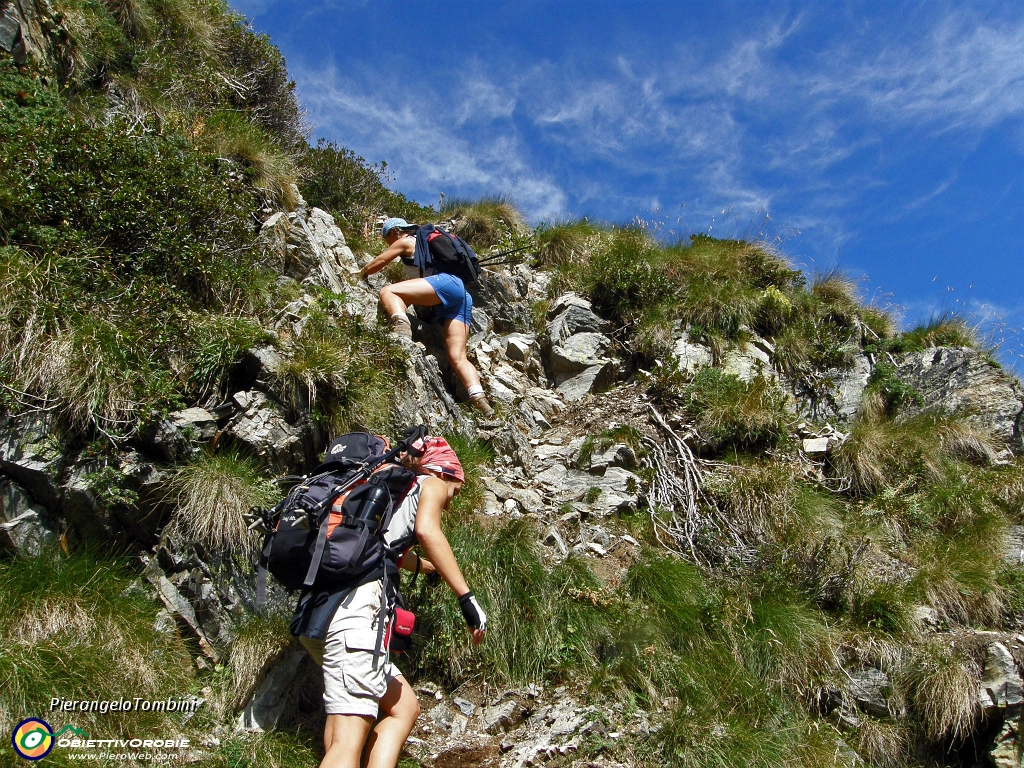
x=421 y=258
x=469 y=257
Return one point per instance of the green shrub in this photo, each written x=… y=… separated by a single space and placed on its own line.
x=354 y=191
x=624 y=277
x=959 y=577
x=257 y=643
x=269 y=94
x=884 y=607
x=893 y=392
x=266 y=750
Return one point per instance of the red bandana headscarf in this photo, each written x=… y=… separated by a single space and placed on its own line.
x=439 y=457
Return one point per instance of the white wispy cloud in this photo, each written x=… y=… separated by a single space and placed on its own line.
x=423 y=145
x=742 y=123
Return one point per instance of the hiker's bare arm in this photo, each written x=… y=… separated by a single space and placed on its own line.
x=409 y=561
x=433 y=497
x=404 y=246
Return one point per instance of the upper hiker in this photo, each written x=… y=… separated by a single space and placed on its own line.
x=371 y=707
x=431 y=289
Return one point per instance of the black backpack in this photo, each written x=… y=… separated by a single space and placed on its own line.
x=309 y=544
x=446 y=253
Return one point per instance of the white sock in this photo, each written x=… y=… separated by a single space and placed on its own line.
x=476 y=389
x=400 y=317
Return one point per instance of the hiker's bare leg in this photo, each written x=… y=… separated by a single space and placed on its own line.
x=456 y=334
x=397 y=297
x=344 y=736
x=399 y=710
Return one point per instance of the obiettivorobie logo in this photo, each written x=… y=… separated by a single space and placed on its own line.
x=34 y=738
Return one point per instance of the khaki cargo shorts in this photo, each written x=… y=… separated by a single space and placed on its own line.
x=351 y=685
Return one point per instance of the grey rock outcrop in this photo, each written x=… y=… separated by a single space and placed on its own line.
x=21 y=34
x=578 y=352
x=423 y=398
x=836 y=394
x=307 y=246
x=1001 y=686
x=869 y=687
x=181 y=435
x=32 y=456
x=510 y=442
x=618 y=490
x=1006 y=746
x=750 y=359
x=182 y=611
x=260 y=427
x=960 y=380
x=503 y=297
x=23 y=523
x=617 y=455
x=269 y=701
x=570 y=314
x=691 y=356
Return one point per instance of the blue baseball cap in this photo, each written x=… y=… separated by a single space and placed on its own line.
x=395 y=224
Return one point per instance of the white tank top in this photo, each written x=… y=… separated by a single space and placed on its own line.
x=402 y=528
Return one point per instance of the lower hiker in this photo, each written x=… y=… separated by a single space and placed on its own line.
x=432 y=290
x=371 y=708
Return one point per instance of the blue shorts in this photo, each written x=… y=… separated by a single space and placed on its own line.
x=456 y=303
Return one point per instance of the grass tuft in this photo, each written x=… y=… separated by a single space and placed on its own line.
x=566 y=242
x=881 y=453
x=257 y=643
x=211 y=495
x=489 y=222
x=942 y=681
x=946 y=330
x=729 y=413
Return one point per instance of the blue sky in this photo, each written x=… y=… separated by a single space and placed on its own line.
x=886 y=139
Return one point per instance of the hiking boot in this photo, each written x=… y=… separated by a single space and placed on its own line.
x=480 y=403
x=401 y=327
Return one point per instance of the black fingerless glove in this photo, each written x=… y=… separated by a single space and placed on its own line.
x=472 y=612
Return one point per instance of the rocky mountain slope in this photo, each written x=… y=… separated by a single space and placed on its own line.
x=581 y=449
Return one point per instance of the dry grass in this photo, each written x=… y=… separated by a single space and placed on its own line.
x=730 y=413
x=273 y=170
x=567 y=242
x=757 y=497
x=836 y=293
x=485 y=223
x=881 y=453
x=959 y=579
x=885 y=744
x=946 y=330
x=135 y=17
